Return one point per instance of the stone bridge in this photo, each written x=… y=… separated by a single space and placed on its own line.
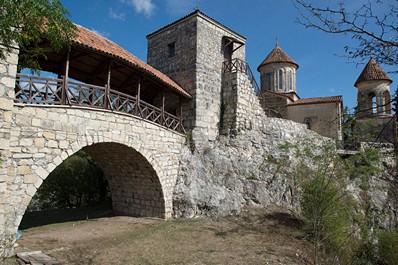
x=139 y=157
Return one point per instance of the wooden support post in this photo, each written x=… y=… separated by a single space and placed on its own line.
x=181 y=128
x=108 y=87
x=162 y=111
x=137 y=103
x=64 y=87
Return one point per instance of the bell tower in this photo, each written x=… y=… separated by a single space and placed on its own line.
x=374 y=97
x=278 y=72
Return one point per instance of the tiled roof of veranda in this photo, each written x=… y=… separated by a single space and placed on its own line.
x=91 y=40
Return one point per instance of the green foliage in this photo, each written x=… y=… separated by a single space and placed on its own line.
x=252 y=177
x=362 y=165
x=327 y=207
x=190 y=142
x=388 y=246
x=28 y=22
x=76 y=182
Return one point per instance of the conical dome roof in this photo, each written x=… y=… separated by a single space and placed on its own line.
x=277 y=55
x=372 y=71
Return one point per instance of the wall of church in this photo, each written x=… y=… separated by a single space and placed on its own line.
x=274 y=102
x=278 y=77
x=323 y=118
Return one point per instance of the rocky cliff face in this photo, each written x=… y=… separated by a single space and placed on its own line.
x=234 y=171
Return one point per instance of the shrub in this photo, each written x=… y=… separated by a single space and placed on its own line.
x=388 y=246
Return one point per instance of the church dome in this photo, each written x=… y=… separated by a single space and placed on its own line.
x=371 y=72
x=277 y=55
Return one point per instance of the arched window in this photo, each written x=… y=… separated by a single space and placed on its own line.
x=290 y=80
x=280 y=79
x=387 y=102
x=268 y=80
x=372 y=104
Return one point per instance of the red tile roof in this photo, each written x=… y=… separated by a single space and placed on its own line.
x=286 y=95
x=93 y=41
x=372 y=71
x=319 y=100
x=277 y=55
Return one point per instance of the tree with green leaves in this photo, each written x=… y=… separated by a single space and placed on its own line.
x=24 y=24
x=328 y=208
x=76 y=182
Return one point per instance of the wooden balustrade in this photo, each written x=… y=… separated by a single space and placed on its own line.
x=238 y=65
x=52 y=91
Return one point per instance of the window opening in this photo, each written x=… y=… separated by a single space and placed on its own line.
x=280 y=80
x=373 y=103
x=268 y=80
x=172 y=49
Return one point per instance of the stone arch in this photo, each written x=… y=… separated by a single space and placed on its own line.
x=372 y=103
x=387 y=102
x=136 y=203
x=44 y=137
x=133 y=178
x=135 y=186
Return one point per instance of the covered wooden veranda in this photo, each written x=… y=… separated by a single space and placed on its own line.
x=95 y=72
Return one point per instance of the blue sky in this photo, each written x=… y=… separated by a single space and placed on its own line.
x=322 y=71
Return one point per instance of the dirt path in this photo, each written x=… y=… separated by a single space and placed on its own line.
x=256 y=237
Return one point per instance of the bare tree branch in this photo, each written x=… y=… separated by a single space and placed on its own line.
x=373 y=26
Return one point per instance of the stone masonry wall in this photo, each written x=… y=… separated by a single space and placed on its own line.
x=209 y=77
x=182 y=66
x=241 y=106
x=8 y=70
x=139 y=158
x=197 y=67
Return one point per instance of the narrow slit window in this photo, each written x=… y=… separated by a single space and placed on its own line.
x=172 y=49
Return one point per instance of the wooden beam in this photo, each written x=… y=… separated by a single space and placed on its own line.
x=104 y=64
x=108 y=85
x=180 y=113
x=137 y=104
x=66 y=78
x=162 y=110
x=127 y=80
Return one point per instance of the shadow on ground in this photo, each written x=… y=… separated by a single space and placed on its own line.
x=45 y=217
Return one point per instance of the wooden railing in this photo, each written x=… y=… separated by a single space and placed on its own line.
x=53 y=91
x=238 y=65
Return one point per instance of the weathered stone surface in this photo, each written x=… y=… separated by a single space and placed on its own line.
x=232 y=172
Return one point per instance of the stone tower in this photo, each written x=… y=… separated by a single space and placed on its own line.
x=278 y=72
x=191 y=51
x=374 y=118
x=373 y=86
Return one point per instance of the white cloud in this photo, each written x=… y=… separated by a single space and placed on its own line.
x=117 y=16
x=179 y=7
x=145 y=7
